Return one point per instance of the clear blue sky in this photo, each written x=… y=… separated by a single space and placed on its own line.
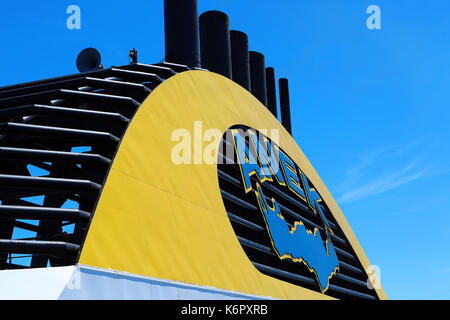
x=370 y=108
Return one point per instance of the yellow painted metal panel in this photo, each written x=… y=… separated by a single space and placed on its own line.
x=159 y=219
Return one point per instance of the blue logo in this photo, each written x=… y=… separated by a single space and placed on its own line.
x=266 y=163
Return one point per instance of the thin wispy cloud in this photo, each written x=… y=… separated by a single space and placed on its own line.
x=373 y=156
x=383 y=169
x=387 y=182
x=441 y=271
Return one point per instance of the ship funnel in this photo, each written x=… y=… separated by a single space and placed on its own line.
x=258 y=76
x=285 y=106
x=215 y=44
x=271 y=91
x=240 y=59
x=88 y=60
x=181 y=32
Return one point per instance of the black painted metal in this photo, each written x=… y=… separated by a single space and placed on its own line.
x=160 y=70
x=271 y=91
x=174 y=66
x=258 y=76
x=21 y=154
x=132 y=73
x=215 y=44
x=181 y=32
x=18 y=212
x=42 y=247
x=40 y=123
x=285 y=105
x=240 y=59
x=88 y=60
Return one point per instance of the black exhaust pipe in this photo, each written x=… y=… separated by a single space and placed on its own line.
x=181 y=32
x=258 y=76
x=215 y=47
x=285 y=106
x=271 y=91
x=240 y=59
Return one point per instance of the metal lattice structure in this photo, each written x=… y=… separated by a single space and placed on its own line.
x=42 y=124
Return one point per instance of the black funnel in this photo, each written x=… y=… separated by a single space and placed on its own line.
x=285 y=106
x=258 y=76
x=240 y=59
x=215 y=42
x=181 y=32
x=271 y=91
x=88 y=60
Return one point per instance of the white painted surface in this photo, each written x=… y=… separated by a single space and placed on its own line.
x=84 y=282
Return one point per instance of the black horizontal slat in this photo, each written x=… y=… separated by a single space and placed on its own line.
x=244 y=222
x=33 y=213
x=223 y=159
x=74 y=83
x=132 y=75
x=161 y=71
x=236 y=200
x=109 y=72
x=349 y=267
x=98 y=97
x=26 y=226
x=174 y=66
x=255 y=245
x=39 y=183
x=352 y=280
x=350 y=292
x=344 y=254
x=51 y=156
x=43 y=247
x=46 y=96
x=284 y=274
x=34 y=109
x=56 y=132
x=114 y=84
x=229 y=178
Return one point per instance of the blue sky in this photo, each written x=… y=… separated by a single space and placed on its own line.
x=369 y=107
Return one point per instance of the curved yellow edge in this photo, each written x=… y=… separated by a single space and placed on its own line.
x=168 y=221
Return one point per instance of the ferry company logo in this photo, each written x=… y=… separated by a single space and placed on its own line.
x=264 y=166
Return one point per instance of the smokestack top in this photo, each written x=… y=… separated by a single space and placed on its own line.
x=285 y=105
x=181 y=32
x=239 y=34
x=240 y=58
x=257 y=54
x=271 y=91
x=258 y=76
x=215 y=43
x=215 y=13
